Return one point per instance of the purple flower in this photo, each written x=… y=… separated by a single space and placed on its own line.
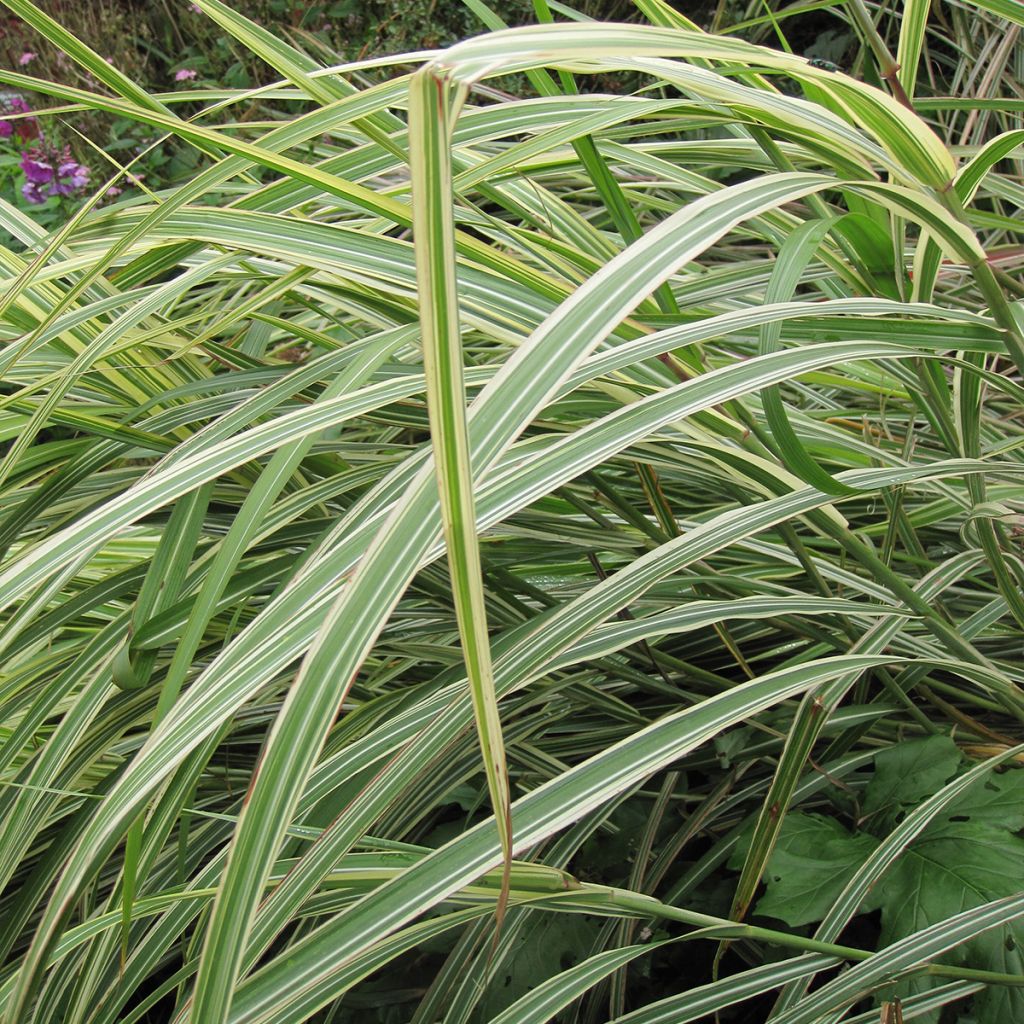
x=27 y=57
x=184 y=75
x=77 y=175
x=36 y=166
x=57 y=170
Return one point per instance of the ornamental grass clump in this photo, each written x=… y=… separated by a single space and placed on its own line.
x=483 y=555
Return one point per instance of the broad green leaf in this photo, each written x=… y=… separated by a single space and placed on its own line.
x=891 y=847
x=961 y=860
x=813 y=859
x=905 y=774
x=904 y=955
